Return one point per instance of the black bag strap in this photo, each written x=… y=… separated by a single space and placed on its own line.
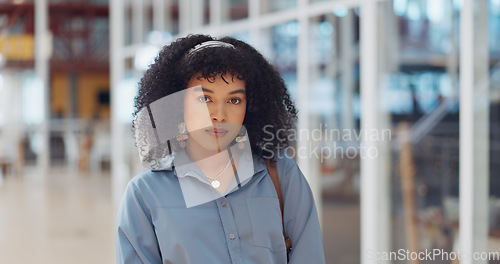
x=273 y=172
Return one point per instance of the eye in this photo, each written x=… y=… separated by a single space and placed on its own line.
x=204 y=99
x=235 y=101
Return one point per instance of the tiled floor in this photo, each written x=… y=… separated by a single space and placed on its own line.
x=60 y=218
x=341 y=233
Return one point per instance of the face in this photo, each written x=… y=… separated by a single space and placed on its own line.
x=224 y=99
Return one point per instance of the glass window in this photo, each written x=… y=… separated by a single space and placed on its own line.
x=243 y=36
x=333 y=103
x=279 y=45
x=172 y=17
x=418 y=83
x=278 y=5
x=494 y=122
x=234 y=10
x=127 y=19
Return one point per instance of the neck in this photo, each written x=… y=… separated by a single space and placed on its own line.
x=207 y=160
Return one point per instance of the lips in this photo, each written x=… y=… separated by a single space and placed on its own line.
x=216 y=132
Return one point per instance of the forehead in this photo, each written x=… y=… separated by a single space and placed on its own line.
x=217 y=80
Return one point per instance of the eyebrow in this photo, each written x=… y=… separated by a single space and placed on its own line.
x=242 y=91
x=238 y=91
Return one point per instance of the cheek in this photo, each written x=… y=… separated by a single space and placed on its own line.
x=241 y=113
x=196 y=116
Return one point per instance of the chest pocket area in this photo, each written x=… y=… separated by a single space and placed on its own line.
x=179 y=230
x=265 y=218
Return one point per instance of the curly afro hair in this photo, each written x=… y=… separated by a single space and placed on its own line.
x=269 y=106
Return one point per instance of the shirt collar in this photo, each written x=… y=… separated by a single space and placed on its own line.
x=184 y=166
x=195 y=186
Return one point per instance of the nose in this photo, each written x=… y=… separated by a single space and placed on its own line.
x=218 y=113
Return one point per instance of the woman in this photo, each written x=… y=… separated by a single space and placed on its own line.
x=199 y=122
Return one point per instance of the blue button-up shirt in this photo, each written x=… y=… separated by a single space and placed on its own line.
x=154 y=225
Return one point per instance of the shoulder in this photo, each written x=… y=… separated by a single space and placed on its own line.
x=284 y=160
x=288 y=170
x=150 y=185
x=150 y=177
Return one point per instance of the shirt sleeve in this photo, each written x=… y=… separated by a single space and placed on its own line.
x=300 y=215
x=136 y=240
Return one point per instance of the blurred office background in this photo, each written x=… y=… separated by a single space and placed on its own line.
x=423 y=73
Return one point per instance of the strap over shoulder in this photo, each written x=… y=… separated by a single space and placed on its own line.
x=273 y=172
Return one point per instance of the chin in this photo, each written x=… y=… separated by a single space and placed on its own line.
x=213 y=146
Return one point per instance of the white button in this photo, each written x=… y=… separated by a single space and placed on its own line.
x=231 y=236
